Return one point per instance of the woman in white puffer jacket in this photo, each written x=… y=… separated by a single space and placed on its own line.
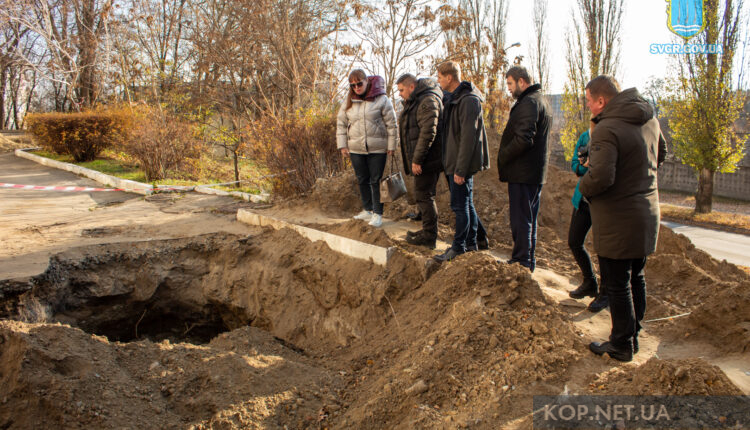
x=367 y=133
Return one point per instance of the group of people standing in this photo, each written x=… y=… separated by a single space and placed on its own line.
x=441 y=133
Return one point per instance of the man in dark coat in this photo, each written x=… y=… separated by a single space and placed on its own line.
x=465 y=152
x=621 y=186
x=522 y=161
x=421 y=152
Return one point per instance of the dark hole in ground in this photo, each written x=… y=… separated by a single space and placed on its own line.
x=120 y=319
x=153 y=323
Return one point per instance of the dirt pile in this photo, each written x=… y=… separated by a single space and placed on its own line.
x=665 y=378
x=357 y=230
x=55 y=376
x=469 y=347
x=723 y=318
x=682 y=279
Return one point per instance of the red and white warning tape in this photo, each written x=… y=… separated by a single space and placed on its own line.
x=54 y=188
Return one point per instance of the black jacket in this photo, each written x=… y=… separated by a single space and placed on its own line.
x=621 y=184
x=465 y=148
x=524 y=150
x=418 y=126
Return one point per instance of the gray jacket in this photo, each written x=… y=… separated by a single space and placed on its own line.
x=465 y=148
x=368 y=127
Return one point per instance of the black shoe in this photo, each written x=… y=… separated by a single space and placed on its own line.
x=483 y=244
x=472 y=248
x=587 y=288
x=624 y=354
x=414 y=216
x=448 y=255
x=412 y=233
x=600 y=303
x=422 y=239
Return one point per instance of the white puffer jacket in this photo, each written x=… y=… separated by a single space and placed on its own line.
x=368 y=127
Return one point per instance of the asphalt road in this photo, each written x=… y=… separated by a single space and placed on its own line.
x=735 y=248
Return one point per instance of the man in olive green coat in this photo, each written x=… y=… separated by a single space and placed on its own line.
x=621 y=187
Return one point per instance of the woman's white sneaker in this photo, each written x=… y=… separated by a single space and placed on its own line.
x=364 y=215
x=376 y=220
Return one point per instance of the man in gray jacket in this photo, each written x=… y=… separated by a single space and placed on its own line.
x=421 y=153
x=465 y=152
x=621 y=186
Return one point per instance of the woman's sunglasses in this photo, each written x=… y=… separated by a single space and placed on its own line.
x=357 y=84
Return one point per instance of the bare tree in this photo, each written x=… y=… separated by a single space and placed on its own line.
x=72 y=32
x=592 y=48
x=394 y=34
x=539 y=51
x=151 y=44
x=475 y=37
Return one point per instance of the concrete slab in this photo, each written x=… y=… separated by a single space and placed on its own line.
x=349 y=247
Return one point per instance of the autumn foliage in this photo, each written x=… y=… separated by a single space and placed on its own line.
x=82 y=135
x=297 y=150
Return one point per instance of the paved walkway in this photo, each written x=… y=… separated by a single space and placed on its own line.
x=735 y=248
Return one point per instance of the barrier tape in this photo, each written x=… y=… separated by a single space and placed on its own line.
x=87 y=189
x=56 y=188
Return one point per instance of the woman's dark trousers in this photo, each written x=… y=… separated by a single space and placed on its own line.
x=369 y=170
x=580 y=225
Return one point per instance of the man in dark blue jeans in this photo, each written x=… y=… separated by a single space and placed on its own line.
x=522 y=161
x=465 y=152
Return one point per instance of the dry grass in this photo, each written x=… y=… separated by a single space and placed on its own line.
x=738 y=223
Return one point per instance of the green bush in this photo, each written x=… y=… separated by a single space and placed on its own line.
x=82 y=135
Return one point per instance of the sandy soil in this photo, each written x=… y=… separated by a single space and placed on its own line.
x=120 y=311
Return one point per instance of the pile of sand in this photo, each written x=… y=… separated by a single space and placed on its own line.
x=357 y=230
x=467 y=347
x=55 y=376
x=665 y=378
x=680 y=277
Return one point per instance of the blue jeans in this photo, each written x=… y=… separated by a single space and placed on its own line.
x=467 y=220
x=369 y=170
x=523 y=204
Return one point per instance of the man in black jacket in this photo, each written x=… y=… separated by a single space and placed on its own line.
x=420 y=151
x=522 y=161
x=465 y=152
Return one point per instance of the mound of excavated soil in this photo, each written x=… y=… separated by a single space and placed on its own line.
x=665 y=377
x=680 y=277
x=55 y=376
x=357 y=230
x=467 y=347
x=723 y=318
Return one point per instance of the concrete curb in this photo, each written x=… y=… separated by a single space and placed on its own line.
x=255 y=198
x=111 y=181
x=349 y=247
x=128 y=185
